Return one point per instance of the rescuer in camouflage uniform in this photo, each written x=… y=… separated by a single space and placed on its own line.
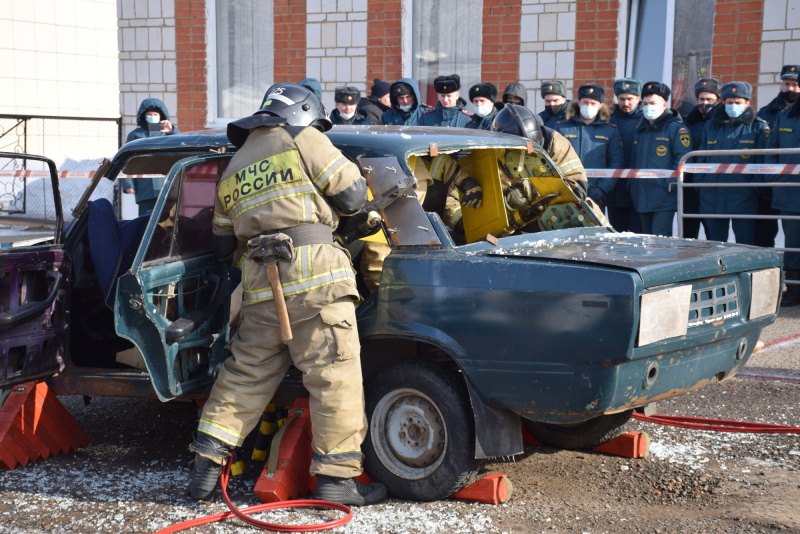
x=287 y=177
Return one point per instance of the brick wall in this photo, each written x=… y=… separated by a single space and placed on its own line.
x=501 y=45
x=780 y=45
x=191 y=60
x=737 y=36
x=147 y=58
x=334 y=45
x=290 y=39
x=547 y=45
x=384 y=40
x=596 y=43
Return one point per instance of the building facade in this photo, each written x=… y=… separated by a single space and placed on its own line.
x=210 y=61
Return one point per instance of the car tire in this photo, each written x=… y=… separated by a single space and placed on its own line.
x=410 y=402
x=586 y=435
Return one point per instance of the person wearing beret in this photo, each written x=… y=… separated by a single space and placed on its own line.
x=482 y=96
x=596 y=142
x=766 y=229
x=786 y=134
x=662 y=139
x=406 y=105
x=555 y=103
x=377 y=102
x=347 y=112
x=515 y=93
x=707 y=92
x=448 y=111
x=732 y=126
x=625 y=115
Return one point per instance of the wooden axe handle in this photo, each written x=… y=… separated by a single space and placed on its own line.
x=280 y=301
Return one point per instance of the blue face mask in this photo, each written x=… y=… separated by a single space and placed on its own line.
x=652 y=112
x=152 y=119
x=734 y=110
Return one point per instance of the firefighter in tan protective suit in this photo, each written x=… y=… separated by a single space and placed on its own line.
x=287 y=179
x=519 y=120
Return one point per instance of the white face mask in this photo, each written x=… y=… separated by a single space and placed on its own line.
x=405 y=108
x=347 y=117
x=483 y=111
x=651 y=112
x=734 y=110
x=588 y=112
x=152 y=119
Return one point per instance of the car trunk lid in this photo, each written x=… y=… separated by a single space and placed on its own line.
x=658 y=260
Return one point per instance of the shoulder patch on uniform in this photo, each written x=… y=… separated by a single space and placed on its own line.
x=683 y=129
x=685 y=140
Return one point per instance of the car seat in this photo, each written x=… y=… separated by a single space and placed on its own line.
x=112 y=245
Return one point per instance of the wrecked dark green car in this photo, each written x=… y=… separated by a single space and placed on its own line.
x=566 y=329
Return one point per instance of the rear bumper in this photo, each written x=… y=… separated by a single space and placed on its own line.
x=602 y=388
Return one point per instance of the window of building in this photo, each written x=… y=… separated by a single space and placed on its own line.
x=670 y=41
x=241 y=57
x=446 y=40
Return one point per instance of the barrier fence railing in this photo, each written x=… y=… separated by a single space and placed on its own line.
x=75 y=144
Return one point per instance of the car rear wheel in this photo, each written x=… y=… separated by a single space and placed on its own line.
x=421 y=432
x=586 y=435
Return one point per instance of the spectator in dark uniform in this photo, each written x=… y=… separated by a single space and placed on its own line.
x=482 y=96
x=789 y=94
x=596 y=142
x=733 y=125
x=347 y=112
x=555 y=103
x=766 y=230
x=661 y=141
x=449 y=109
x=786 y=134
x=515 y=93
x=707 y=93
x=377 y=102
x=407 y=108
x=625 y=115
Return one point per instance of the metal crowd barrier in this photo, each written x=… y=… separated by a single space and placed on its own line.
x=717 y=168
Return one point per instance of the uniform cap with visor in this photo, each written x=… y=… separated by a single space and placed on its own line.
x=283 y=103
x=519 y=120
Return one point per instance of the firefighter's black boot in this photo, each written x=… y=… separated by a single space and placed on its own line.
x=211 y=455
x=349 y=491
x=203 y=481
x=792 y=295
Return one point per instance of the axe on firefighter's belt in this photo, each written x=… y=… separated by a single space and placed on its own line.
x=269 y=249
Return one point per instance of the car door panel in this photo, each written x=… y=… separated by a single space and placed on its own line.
x=33 y=278
x=172 y=303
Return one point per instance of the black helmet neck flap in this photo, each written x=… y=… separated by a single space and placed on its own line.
x=519 y=120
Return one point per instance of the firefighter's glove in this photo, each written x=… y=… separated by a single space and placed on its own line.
x=580 y=190
x=362 y=224
x=471 y=191
x=519 y=195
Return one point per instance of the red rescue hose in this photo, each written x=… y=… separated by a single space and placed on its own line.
x=244 y=512
x=718 y=425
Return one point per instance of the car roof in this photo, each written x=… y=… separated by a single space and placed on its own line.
x=395 y=140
